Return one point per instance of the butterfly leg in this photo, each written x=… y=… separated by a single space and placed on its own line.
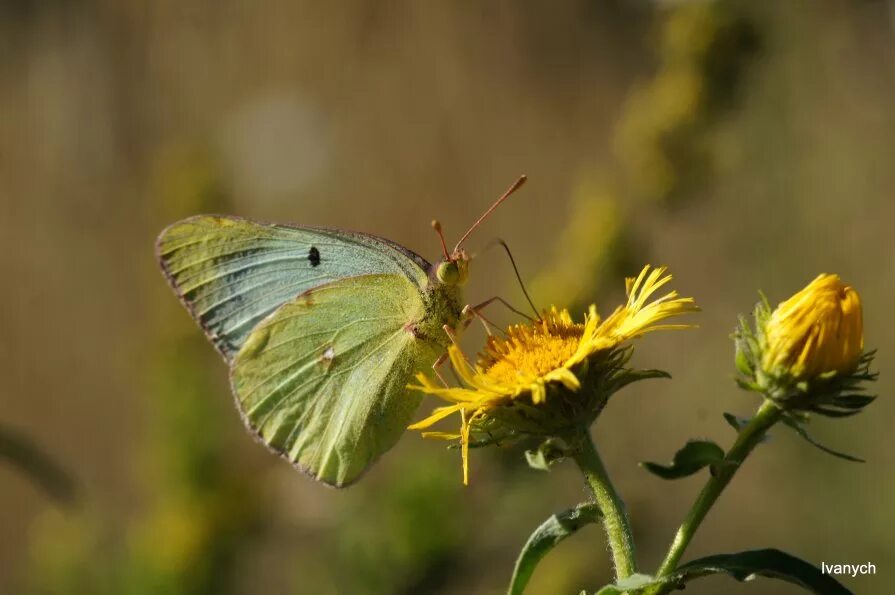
x=452 y=335
x=438 y=363
x=444 y=356
x=469 y=313
x=476 y=312
x=497 y=298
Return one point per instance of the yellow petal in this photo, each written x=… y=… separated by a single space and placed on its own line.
x=438 y=415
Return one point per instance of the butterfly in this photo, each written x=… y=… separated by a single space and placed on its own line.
x=322 y=329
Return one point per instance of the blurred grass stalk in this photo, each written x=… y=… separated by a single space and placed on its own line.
x=663 y=145
x=22 y=453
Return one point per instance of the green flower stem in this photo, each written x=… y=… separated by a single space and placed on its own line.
x=751 y=434
x=615 y=520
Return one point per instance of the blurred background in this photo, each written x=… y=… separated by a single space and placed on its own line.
x=746 y=145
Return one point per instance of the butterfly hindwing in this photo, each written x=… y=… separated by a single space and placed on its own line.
x=231 y=273
x=323 y=380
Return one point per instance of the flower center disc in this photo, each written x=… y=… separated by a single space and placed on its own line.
x=531 y=351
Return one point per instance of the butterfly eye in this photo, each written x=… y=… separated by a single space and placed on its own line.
x=453 y=272
x=448 y=272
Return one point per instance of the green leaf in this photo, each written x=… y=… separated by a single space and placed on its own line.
x=537 y=460
x=853 y=401
x=826 y=412
x=771 y=563
x=801 y=431
x=747 y=385
x=550 y=452
x=631 y=583
x=695 y=455
x=629 y=376
x=735 y=421
x=551 y=532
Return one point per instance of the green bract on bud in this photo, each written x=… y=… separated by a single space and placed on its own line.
x=808 y=353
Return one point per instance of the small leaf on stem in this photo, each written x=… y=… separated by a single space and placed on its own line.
x=548 y=453
x=551 y=532
x=695 y=455
x=772 y=563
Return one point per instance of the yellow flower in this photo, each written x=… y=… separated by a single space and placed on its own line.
x=818 y=330
x=551 y=351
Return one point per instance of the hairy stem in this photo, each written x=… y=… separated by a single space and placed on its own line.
x=751 y=434
x=615 y=520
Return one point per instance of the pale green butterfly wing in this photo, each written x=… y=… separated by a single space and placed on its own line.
x=231 y=273
x=323 y=380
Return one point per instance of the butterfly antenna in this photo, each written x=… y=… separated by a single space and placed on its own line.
x=516 y=185
x=519 y=277
x=436 y=225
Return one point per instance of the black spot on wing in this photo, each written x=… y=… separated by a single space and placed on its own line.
x=314 y=256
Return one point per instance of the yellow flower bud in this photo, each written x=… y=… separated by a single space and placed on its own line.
x=816 y=331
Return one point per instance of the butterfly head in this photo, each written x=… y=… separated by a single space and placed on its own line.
x=454 y=266
x=454 y=270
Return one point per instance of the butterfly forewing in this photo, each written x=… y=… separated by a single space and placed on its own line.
x=323 y=380
x=231 y=273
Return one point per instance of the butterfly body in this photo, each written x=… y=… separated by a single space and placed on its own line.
x=323 y=330
x=442 y=306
